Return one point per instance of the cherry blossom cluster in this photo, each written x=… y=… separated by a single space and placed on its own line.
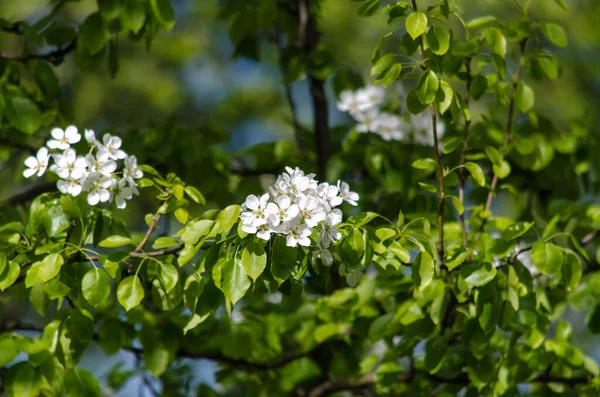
x=364 y=105
x=296 y=207
x=97 y=173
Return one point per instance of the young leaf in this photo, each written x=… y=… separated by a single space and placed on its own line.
x=115 y=241
x=254 y=259
x=438 y=40
x=525 y=98
x=427 y=87
x=93 y=35
x=164 y=14
x=382 y=64
x=51 y=266
x=416 y=24
x=130 y=292
x=133 y=16
x=95 y=286
x=444 y=97
x=555 y=34
x=476 y=173
x=234 y=281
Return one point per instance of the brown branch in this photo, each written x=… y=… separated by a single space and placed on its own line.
x=28 y=194
x=18 y=145
x=17 y=28
x=462 y=173
x=148 y=233
x=588 y=238
x=438 y=162
x=307 y=26
x=55 y=57
x=509 y=124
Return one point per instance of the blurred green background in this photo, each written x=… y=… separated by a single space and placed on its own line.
x=188 y=89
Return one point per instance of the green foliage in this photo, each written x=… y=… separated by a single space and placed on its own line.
x=451 y=278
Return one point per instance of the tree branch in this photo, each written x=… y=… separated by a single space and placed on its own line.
x=148 y=233
x=28 y=194
x=509 y=124
x=588 y=238
x=309 y=38
x=17 y=28
x=438 y=163
x=462 y=173
x=55 y=57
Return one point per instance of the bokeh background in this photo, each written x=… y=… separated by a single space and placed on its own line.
x=189 y=89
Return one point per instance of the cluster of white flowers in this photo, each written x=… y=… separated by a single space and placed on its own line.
x=96 y=173
x=299 y=205
x=364 y=106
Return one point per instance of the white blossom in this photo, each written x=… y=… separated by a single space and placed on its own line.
x=69 y=186
x=390 y=127
x=90 y=137
x=63 y=139
x=132 y=171
x=349 y=102
x=104 y=167
x=299 y=206
x=68 y=165
x=111 y=146
x=38 y=164
x=368 y=121
x=97 y=186
x=121 y=192
x=346 y=195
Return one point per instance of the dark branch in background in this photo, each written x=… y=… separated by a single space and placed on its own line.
x=17 y=28
x=308 y=39
x=368 y=381
x=462 y=173
x=438 y=162
x=4 y=141
x=28 y=194
x=55 y=57
x=509 y=124
x=588 y=238
x=288 y=93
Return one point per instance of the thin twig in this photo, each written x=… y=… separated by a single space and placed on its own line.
x=462 y=173
x=588 y=238
x=55 y=57
x=509 y=124
x=438 y=163
x=17 y=28
x=148 y=233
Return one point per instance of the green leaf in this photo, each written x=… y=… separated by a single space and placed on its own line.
x=378 y=328
x=382 y=64
x=423 y=269
x=413 y=103
x=593 y=319
x=571 y=271
x=254 y=259
x=478 y=86
x=328 y=331
x=477 y=274
x=502 y=170
x=109 y=9
x=562 y=4
x=227 y=218
x=55 y=289
x=234 y=281
x=23 y=114
x=368 y=8
x=133 y=15
x=428 y=187
x=95 y=286
x=476 y=173
x=424 y=164
x=555 y=34
x=164 y=14
x=93 y=35
x=27 y=382
x=164 y=242
x=80 y=382
x=525 y=98
x=51 y=266
x=427 y=87
x=457 y=204
x=547 y=258
x=130 y=292
x=438 y=40
x=481 y=21
x=195 y=195
x=517 y=230
x=392 y=74
x=115 y=241
x=499 y=65
x=416 y=24
x=444 y=97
